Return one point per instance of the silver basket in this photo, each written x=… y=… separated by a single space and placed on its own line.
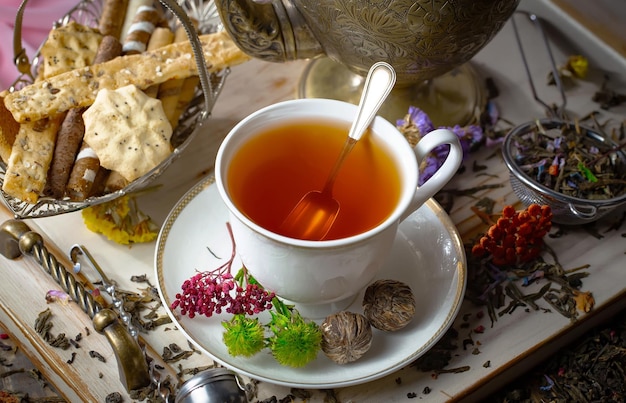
x=87 y=12
x=565 y=209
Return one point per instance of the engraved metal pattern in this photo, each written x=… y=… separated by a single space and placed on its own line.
x=421 y=39
x=256 y=27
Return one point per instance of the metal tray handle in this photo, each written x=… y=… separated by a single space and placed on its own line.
x=16 y=239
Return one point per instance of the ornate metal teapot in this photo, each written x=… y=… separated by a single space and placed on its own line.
x=422 y=39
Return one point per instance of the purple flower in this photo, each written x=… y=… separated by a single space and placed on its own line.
x=58 y=296
x=429 y=167
x=558 y=141
x=418 y=119
x=549 y=385
x=468 y=136
x=488 y=120
x=418 y=123
x=492 y=142
x=474 y=134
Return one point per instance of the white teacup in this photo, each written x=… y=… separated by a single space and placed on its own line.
x=321 y=277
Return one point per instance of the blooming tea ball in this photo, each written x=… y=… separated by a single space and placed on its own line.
x=389 y=305
x=346 y=336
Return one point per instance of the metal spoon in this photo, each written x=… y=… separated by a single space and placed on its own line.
x=315 y=213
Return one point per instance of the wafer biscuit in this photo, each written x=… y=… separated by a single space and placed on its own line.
x=97 y=188
x=83 y=174
x=79 y=88
x=114 y=182
x=112 y=17
x=146 y=20
x=68 y=140
x=129 y=16
x=187 y=92
x=109 y=49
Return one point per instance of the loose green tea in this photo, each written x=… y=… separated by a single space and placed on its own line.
x=573 y=161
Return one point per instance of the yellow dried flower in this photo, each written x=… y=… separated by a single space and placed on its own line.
x=120 y=221
x=584 y=300
x=578 y=65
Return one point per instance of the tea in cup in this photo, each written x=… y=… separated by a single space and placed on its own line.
x=273 y=157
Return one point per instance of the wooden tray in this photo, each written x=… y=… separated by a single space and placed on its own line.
x=512 y=345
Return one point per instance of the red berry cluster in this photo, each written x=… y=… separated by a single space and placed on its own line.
x=517 y=236
x=215 y=291
x=212 y=292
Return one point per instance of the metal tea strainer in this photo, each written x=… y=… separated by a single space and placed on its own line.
x=566 y=209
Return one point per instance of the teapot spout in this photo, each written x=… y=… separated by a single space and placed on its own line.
x=273 y=30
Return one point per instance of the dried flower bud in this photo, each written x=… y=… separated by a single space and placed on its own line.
x=389 y=305
x=346 y=336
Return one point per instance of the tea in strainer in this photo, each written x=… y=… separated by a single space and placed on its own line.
x=577 y=171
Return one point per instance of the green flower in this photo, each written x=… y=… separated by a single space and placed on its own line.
x=295 y=342
x=243 y=336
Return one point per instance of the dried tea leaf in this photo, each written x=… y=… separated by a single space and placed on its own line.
x=389 y=305
x=346 y=336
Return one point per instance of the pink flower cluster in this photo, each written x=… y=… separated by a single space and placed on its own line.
x=217 y=291
x=419 y=120
x=212 y=292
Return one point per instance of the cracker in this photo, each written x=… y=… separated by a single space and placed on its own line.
x=128 y=131
x=161 y=36
x=69 y=47
x=169 y=91
x=78 y=88
x=8 y=130
x=30 y=158
x=70 y=134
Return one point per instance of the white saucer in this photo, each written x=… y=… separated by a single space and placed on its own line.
x=428 y=255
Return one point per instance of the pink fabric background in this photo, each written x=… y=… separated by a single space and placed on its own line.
x=39 y=16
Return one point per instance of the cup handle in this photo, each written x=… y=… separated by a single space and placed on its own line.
x=444 y=173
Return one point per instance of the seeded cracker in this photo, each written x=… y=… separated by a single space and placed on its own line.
x=30 y=159
x=78 y=88
x=69 y=47
x=8 y=131
x=128 y=131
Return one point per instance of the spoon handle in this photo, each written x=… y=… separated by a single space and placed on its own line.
x=378 y=84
